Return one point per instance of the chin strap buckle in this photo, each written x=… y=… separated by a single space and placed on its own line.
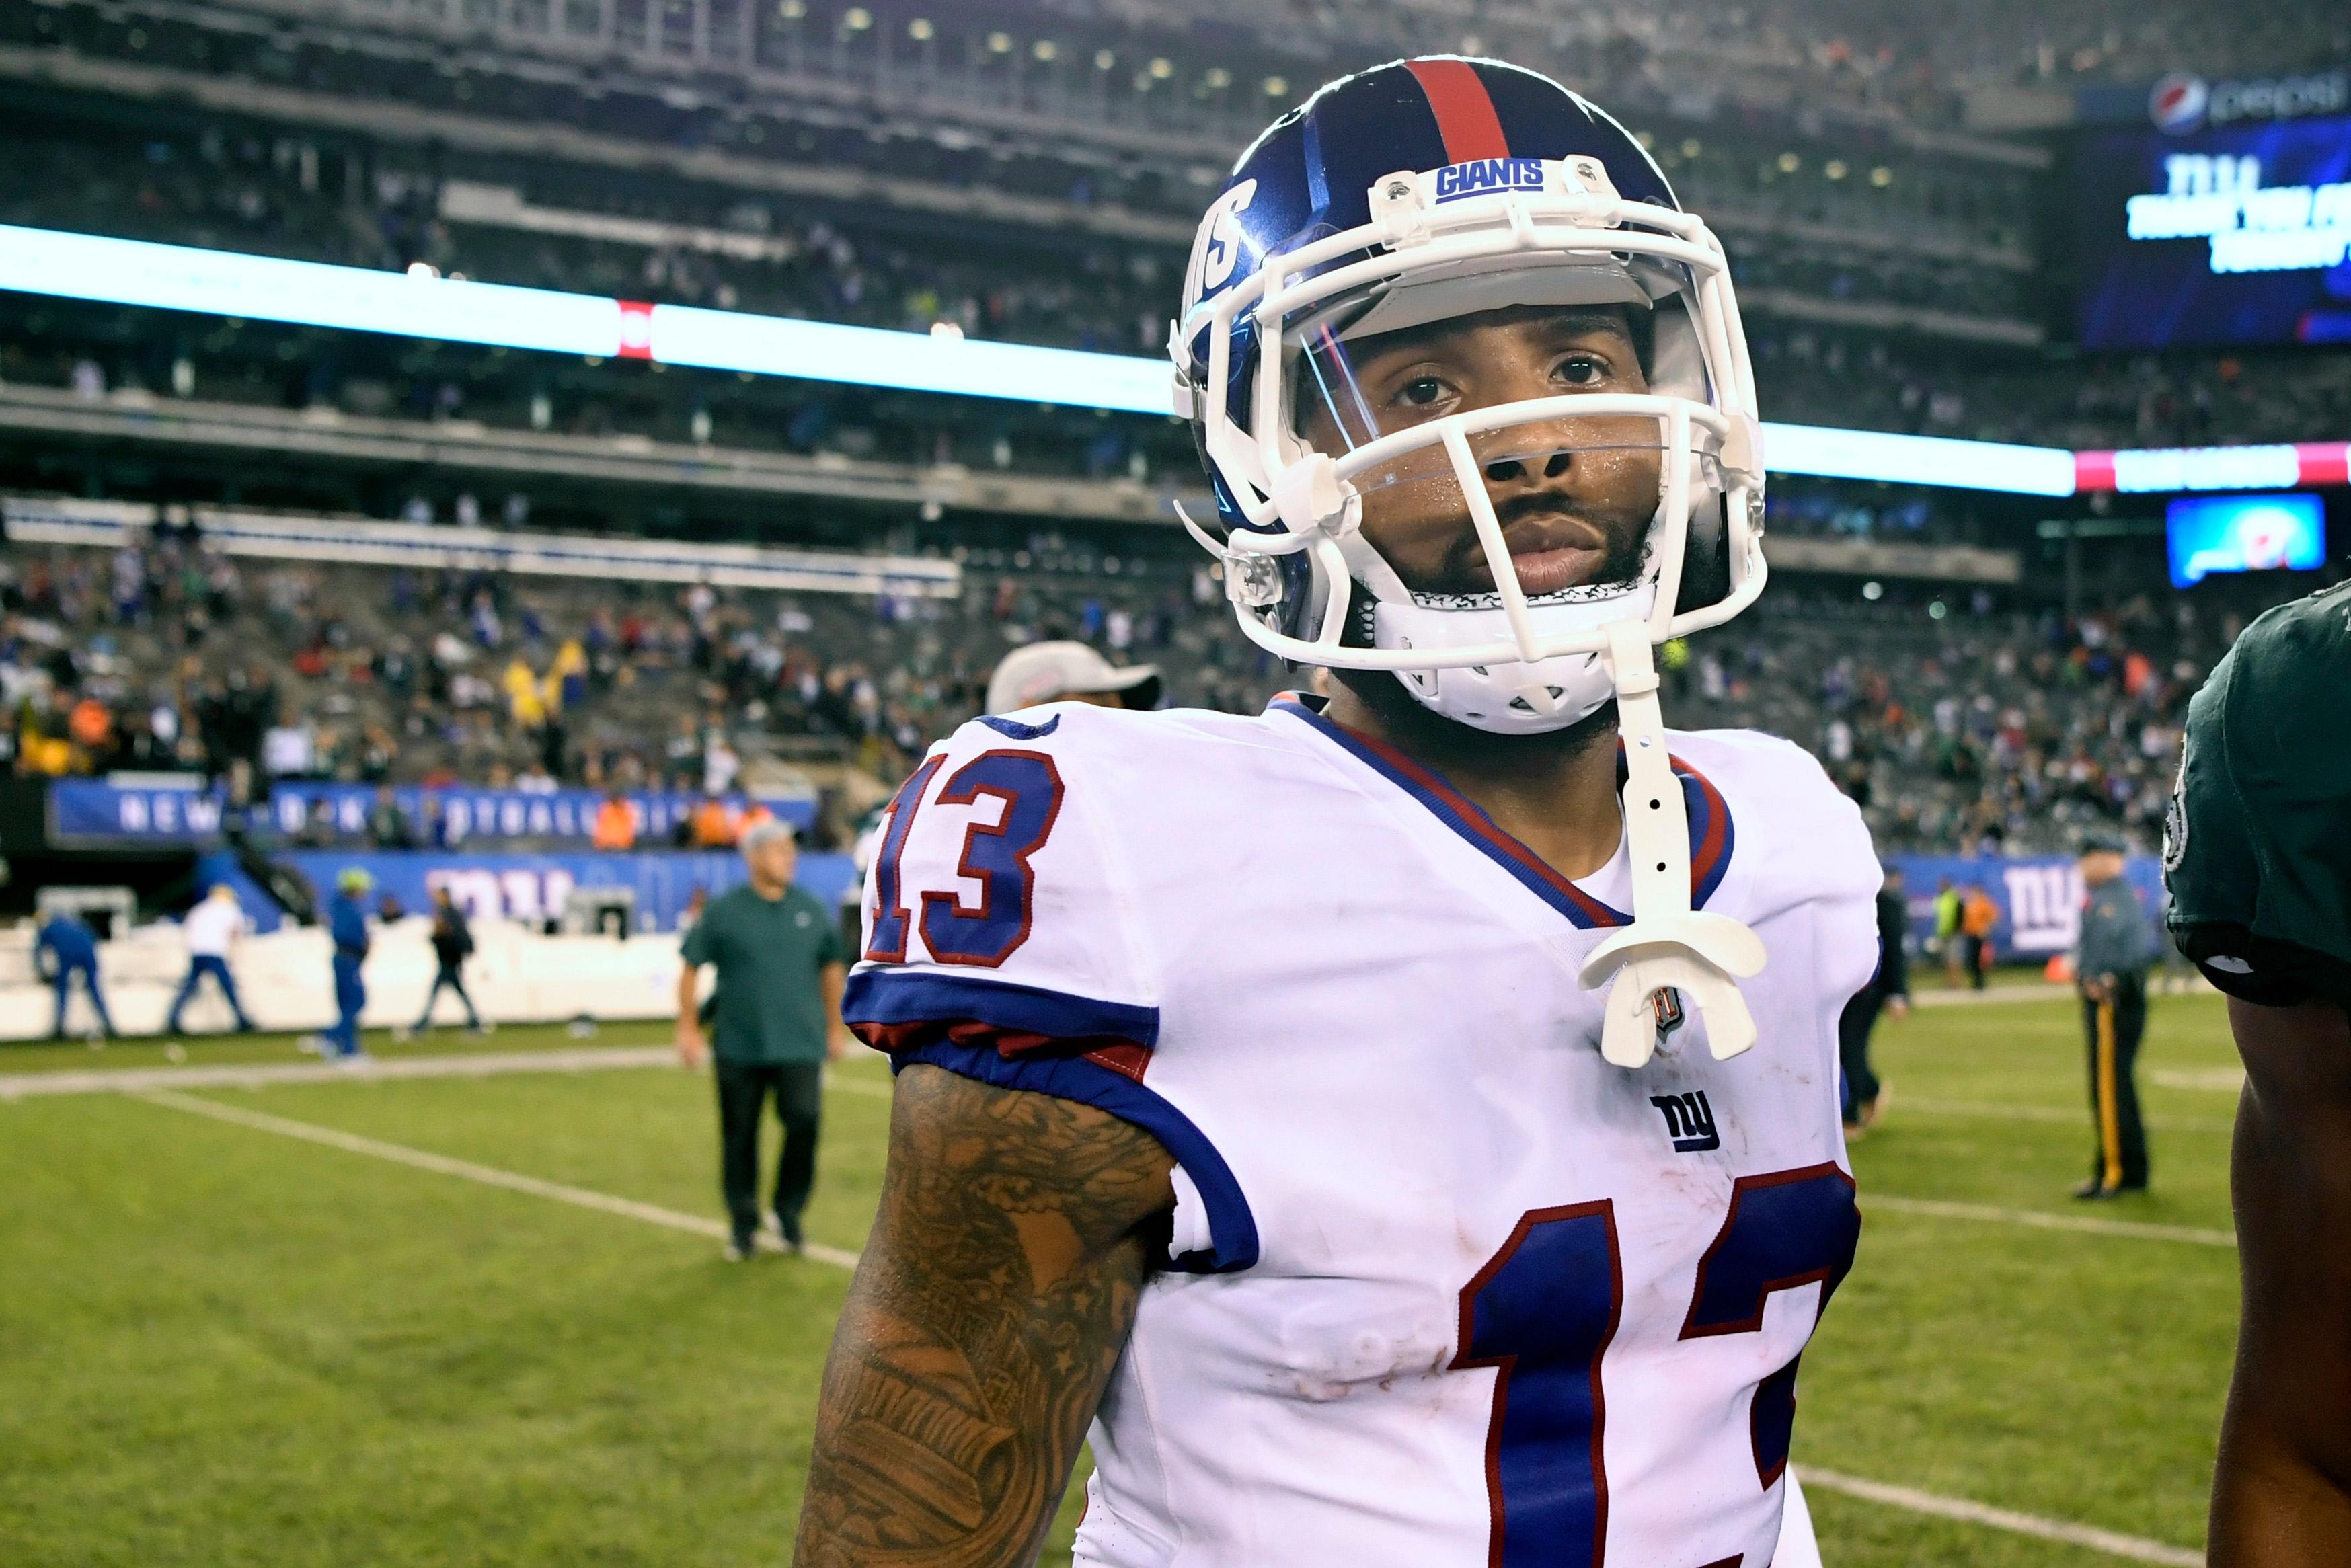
x=1703 y=957
x=1312 y=500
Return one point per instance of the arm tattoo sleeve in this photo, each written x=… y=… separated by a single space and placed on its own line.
x=996 y=1293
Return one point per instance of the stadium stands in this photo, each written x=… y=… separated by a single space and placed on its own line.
x=1026 y=173
x=1957 y=719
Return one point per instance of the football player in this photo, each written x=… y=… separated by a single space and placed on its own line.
x=1404 y=1125
x=2258 y=857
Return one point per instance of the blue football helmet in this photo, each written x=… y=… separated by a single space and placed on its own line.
x=1397 y=198
x=1402 y=198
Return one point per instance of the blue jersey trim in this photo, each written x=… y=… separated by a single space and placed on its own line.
x=1013 y=730
x=891 y=997
x=1232 y=1228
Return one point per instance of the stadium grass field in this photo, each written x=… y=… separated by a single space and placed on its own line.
x=223 y=1344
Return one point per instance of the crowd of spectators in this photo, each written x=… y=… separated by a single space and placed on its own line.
x=1963 y=726
x=166 y=655
x=1203 y=68
x=1960 y=724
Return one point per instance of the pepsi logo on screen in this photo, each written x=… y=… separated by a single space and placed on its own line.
x=2177 y=102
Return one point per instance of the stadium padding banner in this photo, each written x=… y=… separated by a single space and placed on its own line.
x=495 y=885
x=86 y=809
x=2039 y=897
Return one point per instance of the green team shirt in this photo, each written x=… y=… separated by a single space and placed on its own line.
x=769 y=1008
x=2257 y=853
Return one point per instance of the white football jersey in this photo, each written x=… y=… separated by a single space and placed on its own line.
x=1445 y=1288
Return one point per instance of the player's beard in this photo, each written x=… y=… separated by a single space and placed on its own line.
x=1422 y=729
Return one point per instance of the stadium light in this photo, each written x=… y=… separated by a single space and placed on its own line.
x=351 y=298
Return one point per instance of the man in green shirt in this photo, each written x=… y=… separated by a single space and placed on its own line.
x=2258 y=856
x=775 y=1019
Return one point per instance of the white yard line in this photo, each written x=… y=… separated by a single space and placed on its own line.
x=467 y=1170
x=379 y=1068
x=2129 y=1229
x=2230 y=1080
x=2124 y=1546
x=157 y=1085
x=2131 y=1547
x=1995 y=1111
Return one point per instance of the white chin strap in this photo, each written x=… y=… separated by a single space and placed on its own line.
x=1519 y=697
x=1669 y=946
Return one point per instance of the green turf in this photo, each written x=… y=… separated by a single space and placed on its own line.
x=223 y=1049
x=219 y=1346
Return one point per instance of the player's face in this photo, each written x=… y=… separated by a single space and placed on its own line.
x=1574 y=495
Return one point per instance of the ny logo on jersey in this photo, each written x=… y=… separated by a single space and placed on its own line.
x=1690 y=1122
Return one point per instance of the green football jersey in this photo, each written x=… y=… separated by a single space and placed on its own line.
x=2257 y=853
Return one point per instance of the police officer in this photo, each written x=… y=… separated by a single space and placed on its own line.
x=2110 y=965
x=2258 y=857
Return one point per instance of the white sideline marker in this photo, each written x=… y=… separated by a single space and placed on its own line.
x=381 y=1069
x=2128 y=1547
x=467 y=1170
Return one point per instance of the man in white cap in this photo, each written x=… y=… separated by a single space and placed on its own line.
x=1071 y=672
x=211 y=930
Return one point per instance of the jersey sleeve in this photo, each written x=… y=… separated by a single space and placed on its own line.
x=1003 y=940
x=2257 y=850
x=996 y=910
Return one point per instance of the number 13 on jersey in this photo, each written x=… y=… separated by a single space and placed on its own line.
x=1544 y=1311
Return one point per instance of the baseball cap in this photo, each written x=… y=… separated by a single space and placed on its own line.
x=1046 y=672
x=2101 y=844
x=762 y=830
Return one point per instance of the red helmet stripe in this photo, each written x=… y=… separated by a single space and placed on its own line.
x=1465 y=114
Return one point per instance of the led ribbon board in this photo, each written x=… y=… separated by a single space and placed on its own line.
x=314 y=293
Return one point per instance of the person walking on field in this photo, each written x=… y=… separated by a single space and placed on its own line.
x=453 y=944
x=347 y=927
x=211 y=930
x=1947 y=907
x=1977 y=916
x=2110 y=965
x=775 y=1021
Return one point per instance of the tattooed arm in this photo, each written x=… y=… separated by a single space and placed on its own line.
x=996 y=1292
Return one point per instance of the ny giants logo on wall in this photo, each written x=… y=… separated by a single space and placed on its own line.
x=1485 y=176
